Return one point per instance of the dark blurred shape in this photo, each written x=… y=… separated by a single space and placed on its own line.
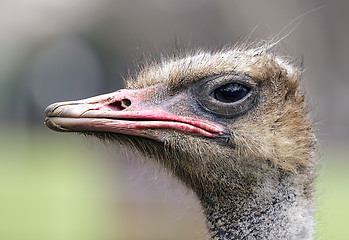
x=69 y=67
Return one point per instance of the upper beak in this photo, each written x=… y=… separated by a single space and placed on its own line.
x=123 y=112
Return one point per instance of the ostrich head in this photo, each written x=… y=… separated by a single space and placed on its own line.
x=232 y=125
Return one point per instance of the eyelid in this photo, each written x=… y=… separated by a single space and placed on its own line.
x=213 y=83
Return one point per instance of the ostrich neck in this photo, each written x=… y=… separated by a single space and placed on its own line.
x=271 y=209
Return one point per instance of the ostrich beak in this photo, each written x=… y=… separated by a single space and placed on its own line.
x=124 y=112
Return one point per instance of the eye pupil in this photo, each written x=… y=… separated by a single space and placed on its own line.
x=231 y=92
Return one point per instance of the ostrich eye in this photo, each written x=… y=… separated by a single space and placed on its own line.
x=231 y=92
x=226 y=95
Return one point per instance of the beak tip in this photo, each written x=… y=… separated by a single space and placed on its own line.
x=54 y=126
x=50 y=111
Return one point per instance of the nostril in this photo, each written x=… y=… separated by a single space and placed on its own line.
x=116 y=106
x=120 y=105
x=125 y=103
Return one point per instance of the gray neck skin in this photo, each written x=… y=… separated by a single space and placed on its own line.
x=271 y=209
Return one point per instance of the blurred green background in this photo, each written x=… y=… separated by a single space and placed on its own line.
x=66 y=187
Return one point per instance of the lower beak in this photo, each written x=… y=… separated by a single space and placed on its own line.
x=124 y=112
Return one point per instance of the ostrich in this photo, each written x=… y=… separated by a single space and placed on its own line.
x=231 y=124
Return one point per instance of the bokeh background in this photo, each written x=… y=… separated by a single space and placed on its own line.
x=57 y=186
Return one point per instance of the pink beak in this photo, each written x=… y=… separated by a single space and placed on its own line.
x=124 y=112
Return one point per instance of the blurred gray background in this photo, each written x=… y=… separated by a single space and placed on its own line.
x=57 y=50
